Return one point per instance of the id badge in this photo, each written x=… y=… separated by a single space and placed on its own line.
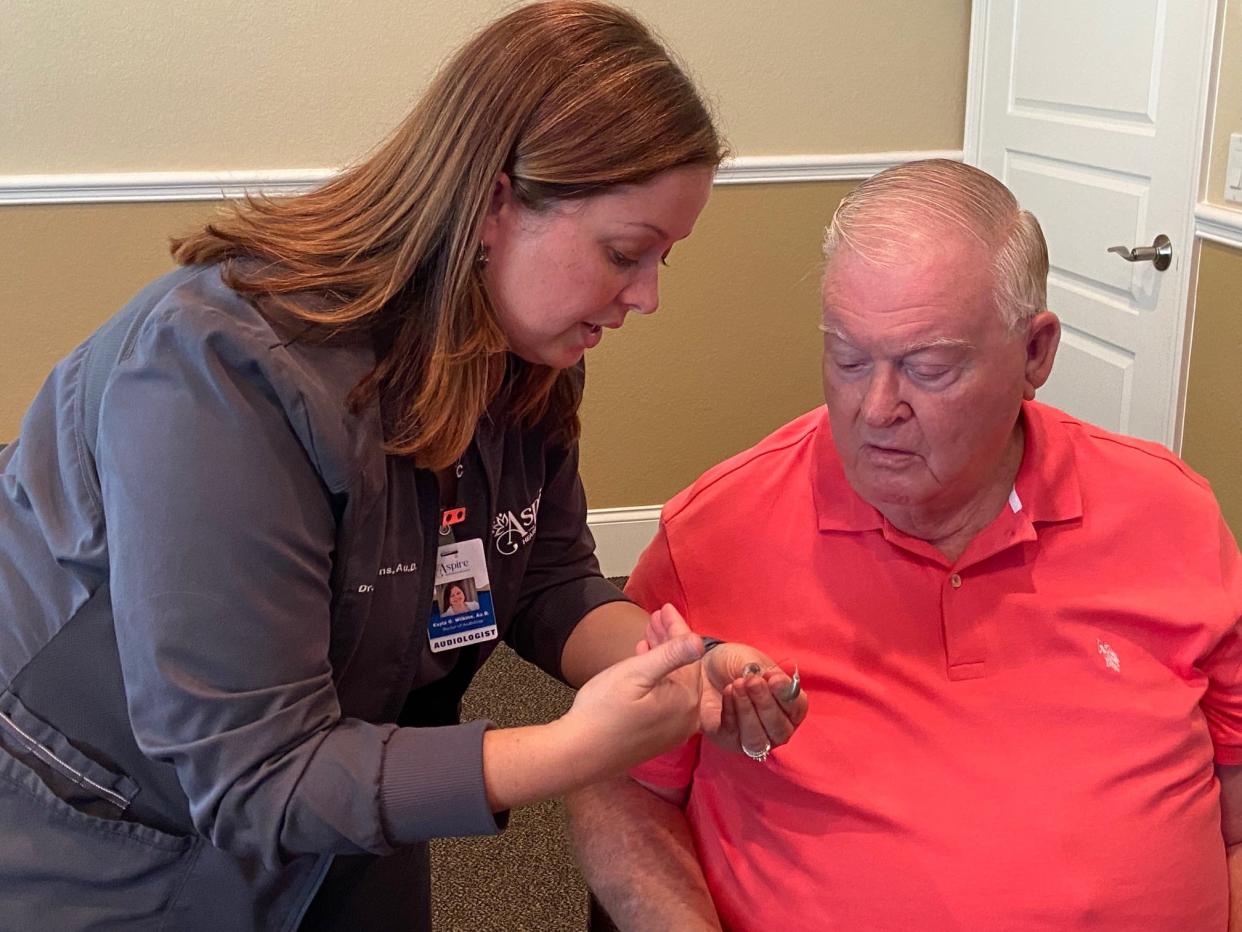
x=461 y=610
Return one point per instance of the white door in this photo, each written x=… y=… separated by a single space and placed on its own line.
x=1092 y=111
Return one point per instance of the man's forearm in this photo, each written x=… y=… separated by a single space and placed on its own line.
x=637 y=855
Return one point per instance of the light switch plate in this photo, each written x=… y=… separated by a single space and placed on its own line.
x=1233 y=173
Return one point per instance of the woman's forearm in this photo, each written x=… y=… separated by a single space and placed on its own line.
x=529 y=764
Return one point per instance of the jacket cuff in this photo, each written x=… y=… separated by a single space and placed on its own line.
x=432 y=785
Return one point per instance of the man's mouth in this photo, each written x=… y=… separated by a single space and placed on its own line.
x=886 y=455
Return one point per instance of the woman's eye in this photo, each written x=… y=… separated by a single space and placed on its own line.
x=622 y=260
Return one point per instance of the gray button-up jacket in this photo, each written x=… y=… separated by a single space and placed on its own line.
x=214 y=671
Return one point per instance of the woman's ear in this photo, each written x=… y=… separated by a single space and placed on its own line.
x=499 y=211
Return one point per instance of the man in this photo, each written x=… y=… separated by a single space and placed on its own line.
x=1022 y=629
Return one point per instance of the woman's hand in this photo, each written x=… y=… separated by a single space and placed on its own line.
x=748 y=702
x=625 y=714
x=638 y=708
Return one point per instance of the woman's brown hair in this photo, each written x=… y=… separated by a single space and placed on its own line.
x=567 y=98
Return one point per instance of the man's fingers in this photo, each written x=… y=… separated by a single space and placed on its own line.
x=730 y=661
x=752 y=736
x=780 y=684
x=771 y=716
x=728 y=714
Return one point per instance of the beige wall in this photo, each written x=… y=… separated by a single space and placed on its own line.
x=143 y=85
x=1212 y=440
x=1228 y=118
x=733 y=352
x=148 y=85
x=1212 y=433
x=66 y=269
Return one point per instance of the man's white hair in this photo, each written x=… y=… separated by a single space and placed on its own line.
x=893 y=213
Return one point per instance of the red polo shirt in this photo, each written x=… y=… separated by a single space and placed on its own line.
x=1019 y=740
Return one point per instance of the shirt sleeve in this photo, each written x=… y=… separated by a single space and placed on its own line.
x=220 y=535
x=653 y=583
x=1222 y=702
x=562 y=582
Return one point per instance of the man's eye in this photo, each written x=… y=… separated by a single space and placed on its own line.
x=929 y=373
x=621 y=260
x=849 y=365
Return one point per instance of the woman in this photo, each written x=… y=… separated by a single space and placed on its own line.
x=456 y=602
x=226 y=703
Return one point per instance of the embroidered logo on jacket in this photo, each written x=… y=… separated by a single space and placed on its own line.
x=511 y=531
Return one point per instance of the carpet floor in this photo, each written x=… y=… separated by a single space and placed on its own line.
x=525 y=879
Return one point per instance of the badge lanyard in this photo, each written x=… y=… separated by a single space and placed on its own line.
x=451 y=515
x=461 y=608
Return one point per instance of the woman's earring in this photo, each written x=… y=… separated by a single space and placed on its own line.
x=481 y=257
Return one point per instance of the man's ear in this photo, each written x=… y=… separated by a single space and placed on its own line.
x=498 y=208
x=1043 y=335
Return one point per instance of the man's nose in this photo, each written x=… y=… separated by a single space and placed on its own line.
x=882 y=404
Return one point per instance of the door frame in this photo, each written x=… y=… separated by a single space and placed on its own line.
x=1187 y=271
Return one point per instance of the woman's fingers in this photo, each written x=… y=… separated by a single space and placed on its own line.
x=663 y=659
x=673 y=621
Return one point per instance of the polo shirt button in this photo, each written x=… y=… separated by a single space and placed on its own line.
x=955 y=581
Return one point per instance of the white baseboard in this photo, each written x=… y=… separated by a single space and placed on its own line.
x=621 y=534
x=142 y=187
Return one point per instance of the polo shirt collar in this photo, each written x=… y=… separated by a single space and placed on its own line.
x=1046 y=487
x=1047 y=482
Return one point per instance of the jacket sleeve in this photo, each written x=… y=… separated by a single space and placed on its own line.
x=220 y=535
x=562 y=582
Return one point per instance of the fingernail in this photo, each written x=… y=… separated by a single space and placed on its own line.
x=752 y=669
x=795 y=687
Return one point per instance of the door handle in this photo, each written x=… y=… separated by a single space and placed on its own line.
x=1159 y=253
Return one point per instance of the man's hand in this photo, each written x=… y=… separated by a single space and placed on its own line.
x=746 y=701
